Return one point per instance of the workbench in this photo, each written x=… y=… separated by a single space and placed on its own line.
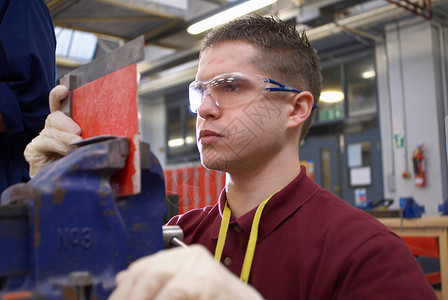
x=433 y=226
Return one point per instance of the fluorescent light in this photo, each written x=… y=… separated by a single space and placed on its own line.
x=175 y=143
x=190 y=140
x=228 y=15
x=368 y=74
x=180 y=142
x=331 y=96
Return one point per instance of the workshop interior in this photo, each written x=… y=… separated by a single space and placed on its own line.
x=379 y=138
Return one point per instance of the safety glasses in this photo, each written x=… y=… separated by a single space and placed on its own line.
x=233 y=88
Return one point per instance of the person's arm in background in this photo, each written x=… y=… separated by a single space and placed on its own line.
x=27 y=74
x=28 y=67
x=2 y=125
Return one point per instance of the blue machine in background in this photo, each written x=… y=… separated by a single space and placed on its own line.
x=64 y=235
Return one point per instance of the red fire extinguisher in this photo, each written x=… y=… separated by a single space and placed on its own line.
x=418 y=161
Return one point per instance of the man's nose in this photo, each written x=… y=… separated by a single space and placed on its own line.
x=209 y=107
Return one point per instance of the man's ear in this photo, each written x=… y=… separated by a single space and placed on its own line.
x=302 y=104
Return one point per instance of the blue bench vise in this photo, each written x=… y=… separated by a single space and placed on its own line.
x=410 y=208
x=443 y=208
x=64 y=235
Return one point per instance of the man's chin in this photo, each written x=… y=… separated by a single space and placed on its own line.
x=216 y=166
x=214 y=162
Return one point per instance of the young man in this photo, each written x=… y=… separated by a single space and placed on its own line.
x=255 y=92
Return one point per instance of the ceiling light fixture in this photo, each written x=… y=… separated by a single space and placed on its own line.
x=368 y=74
x=331 y=96
x=228 y=15
x=176 y=143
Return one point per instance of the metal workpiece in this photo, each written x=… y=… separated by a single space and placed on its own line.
x=64 y=235
x=131 y=52
x=173 y=236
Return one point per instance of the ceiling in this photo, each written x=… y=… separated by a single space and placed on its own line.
x=163 y=23
x=128 y=19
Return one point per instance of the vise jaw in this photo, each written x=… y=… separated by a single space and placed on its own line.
x=64 y=235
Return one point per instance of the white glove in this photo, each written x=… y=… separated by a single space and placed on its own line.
x=178 y=274
x=52 y=142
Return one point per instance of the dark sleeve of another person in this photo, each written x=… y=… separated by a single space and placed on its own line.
x=27 y=74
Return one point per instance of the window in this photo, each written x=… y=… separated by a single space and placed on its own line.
x=75 y=44
x=331 y=101
x=325 y=159
x=181 y=129
x=348 y=89
x=361 y=91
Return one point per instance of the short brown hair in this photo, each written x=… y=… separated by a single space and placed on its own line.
x=283 y=52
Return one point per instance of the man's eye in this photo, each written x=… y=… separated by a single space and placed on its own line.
x=229 y=87
x=232 y=87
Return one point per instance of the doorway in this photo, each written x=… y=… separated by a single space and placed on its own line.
x=349 y=165
x=323 y=153
x=362 y=167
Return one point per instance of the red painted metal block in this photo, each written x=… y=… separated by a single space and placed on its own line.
x=108 y=106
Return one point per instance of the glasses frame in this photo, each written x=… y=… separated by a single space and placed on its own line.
x=280 y=87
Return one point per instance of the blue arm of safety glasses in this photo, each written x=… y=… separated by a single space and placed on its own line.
x=283 y=88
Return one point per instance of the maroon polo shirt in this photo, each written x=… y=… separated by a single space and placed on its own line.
x=312 y=245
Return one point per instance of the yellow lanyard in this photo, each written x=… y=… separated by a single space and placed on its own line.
x=250 y=250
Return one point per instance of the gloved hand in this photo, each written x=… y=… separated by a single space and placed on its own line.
x=52 y=142
x=178 y=274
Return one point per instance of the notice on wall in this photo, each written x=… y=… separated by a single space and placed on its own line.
x=361 y=198
x=398 y=139
x=360 y=176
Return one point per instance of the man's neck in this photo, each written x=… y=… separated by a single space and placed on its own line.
x=246 y=190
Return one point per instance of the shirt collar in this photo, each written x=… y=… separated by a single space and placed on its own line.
x=279 y=207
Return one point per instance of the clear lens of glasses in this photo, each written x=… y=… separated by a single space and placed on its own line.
x=226 y=89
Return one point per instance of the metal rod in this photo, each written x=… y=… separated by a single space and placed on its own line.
x=176 y=242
